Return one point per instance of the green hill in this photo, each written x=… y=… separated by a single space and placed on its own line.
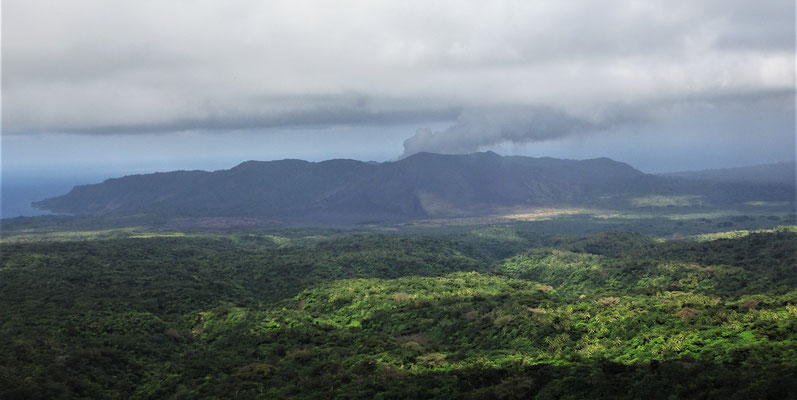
x=512 y=314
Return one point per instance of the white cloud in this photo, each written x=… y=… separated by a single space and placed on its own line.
x=109 y=66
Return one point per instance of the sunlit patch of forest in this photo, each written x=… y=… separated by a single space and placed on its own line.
x=473 y=312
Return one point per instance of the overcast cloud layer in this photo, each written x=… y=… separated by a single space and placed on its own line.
x=506 y=71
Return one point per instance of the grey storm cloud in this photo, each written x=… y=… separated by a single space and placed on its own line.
x=514 y=71
x=478 y=128
x=484 y=127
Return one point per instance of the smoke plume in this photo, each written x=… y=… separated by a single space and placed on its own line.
x=480 y=128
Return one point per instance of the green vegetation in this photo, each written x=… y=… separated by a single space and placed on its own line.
x=667 y=201
x=487 y=312
x=740 y=233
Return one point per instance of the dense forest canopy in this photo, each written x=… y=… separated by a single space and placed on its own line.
x=483 y=312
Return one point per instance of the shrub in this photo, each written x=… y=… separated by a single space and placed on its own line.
x=752 y=303
x=432 y=359
x=415 y=337
x=608 y=301
x=256 y=371
x=472 y=315
x=172 y=333
x=686 y=312
x=301 y=355
x=401 y=297
x=545 y=288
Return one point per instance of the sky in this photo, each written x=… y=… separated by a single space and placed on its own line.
x=105 y=88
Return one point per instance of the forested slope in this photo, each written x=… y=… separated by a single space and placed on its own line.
x=611 y=315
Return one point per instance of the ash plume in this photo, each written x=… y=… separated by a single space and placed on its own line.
x=479 y=128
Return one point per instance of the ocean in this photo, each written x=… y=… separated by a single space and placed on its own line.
x=19 y=190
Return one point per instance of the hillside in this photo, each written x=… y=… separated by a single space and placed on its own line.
x=488 y=313
x=776 y=173
x=417 y=186
x=423 y=185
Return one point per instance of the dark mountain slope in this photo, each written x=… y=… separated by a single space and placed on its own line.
x=777 y=173
x=418 y=186
x=251 y=188
x=428 y=184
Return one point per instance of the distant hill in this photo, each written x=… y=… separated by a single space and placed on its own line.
x=776 y=173
x=422 y=185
